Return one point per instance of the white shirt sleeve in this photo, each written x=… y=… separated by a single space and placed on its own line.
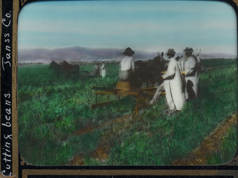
x=171 y=69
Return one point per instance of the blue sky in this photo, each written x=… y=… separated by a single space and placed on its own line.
x=143 y=25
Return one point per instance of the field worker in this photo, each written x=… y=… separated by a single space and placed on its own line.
x=96 y=71
x=191 y=74
x=102 y=70
x=127 y=64
x=172 y=85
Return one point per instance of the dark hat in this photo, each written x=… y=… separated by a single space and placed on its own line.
x=187 y=49
x=171 y=52
x=128 y=52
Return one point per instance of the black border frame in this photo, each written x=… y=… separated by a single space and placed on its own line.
x=6 y=96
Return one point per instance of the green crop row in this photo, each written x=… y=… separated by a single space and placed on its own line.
x=51 y=108
x=227 y=150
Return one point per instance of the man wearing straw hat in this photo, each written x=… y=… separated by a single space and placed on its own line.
x=127 y=64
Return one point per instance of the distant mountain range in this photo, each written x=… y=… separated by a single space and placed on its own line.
x=82 y=54
x=75 y=54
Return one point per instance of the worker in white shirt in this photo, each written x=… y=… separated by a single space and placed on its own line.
x=172 y=84
x=191 y=74
x=102 y=70
x=127 y=64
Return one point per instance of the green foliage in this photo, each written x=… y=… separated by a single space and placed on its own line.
x=218 y=62
x=135 y=150
x=51 y=108
x=227 y=149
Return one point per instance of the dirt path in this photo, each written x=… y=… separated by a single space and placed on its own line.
x=103 y=125
x=209 y=145
x=112 y=128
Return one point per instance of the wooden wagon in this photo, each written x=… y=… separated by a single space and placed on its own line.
x=146 y=73
x=124 y=88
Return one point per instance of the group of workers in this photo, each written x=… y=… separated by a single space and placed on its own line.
x=180 y=80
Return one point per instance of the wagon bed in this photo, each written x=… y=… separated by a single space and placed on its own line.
x=123 y=88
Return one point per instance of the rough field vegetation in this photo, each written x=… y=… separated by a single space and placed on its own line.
x=227 y=150
x=51 y=108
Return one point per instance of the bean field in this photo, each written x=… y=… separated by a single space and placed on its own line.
x=53 y=108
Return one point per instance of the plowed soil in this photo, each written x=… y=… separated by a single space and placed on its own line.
x=209 y=145
x=113 y=127
x=197 y=157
